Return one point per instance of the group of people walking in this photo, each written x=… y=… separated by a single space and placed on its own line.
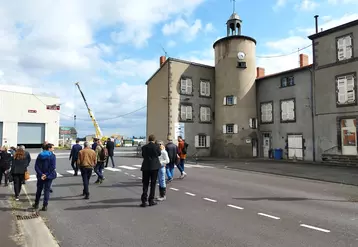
x=160 y=160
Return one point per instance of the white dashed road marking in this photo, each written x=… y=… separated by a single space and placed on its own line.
x=139 y=177
x=126 y=173
x=190 y=194
x=315 y=228
x=236 y=207
x=210 y=200
x=133 y=175
x=174 y=189
x=113 y=169
x=139 y=166
x=128 y=167
x=269 y=216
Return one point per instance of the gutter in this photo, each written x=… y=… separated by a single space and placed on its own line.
x=313 y=105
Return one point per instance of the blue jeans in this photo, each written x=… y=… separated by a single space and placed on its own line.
x=44 y=185
x=161 y=177
x=181 y=165
x=98 y=169
x=170 y=170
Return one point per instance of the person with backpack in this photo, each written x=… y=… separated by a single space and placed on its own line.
x=102 y=155
x=183 y=148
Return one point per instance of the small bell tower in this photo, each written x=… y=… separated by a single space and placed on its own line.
x=234 y=23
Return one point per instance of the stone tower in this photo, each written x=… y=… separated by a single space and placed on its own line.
x=235 y=92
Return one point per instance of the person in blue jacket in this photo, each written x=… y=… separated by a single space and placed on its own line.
x=45 y=167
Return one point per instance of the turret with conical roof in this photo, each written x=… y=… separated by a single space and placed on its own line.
x=234 y=25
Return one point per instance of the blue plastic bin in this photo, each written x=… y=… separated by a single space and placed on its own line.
x=278 y=154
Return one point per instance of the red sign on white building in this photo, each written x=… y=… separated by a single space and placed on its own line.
x=53 y=107
x=32 y=111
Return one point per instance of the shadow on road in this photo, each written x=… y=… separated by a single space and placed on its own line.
x=287 y=199
x=123 y=185
x=120 y=200
x=94 y=207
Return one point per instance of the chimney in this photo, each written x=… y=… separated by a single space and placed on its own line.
x=162 y=60
x=303 y=60
x=316 y=22
x=260 y=72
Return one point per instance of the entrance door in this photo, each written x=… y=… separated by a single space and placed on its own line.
x=349 y=136
x=295 y=147
x=30 y=133
x=266 y=144
x=254 y=148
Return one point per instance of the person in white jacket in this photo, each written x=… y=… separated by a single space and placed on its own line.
x=164 y=160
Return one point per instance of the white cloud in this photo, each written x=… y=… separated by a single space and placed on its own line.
x=279 y=4
x=171 y=43
x=334 y=2
x=307 y=5
x=206 y=56
x=187 y=30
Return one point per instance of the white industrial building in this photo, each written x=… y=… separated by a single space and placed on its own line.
x=26 y=118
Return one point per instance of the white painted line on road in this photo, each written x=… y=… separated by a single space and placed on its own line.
x=315 y=228
x=59 y=175
x=32 y=178
x=140 y=166
x=128 y=167
x=233 y=206
x=190 y=194
x=113 y=169
x=210 y=200
x=133 y=175
x=78 y=173
x=174 y=189
x=126 y=173
x=140 y=177
x=269 y=216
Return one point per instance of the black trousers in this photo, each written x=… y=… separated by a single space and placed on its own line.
x=111 y=160
x=86 y=174
x=74 y=165
x=149 y=177
x=2 y=172
x=18 y=180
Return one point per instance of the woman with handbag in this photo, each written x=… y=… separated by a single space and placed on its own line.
x=18 y=171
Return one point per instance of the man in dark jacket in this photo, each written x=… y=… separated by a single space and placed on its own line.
x=74 y=156
x=110 y=148
x=173 y=153
x=95 y=143
x=150 y=168
x=5 y=163
x=45 y=167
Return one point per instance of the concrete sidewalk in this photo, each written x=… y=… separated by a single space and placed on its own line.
x=307 y=170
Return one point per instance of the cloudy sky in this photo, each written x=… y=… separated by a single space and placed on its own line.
x=112 y=47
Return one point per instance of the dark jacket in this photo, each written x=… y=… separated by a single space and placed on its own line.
x=46 y=164
x=19 y=166
x=94 y=146
x=28 y=158
x=173 y=151
x=110 y=148
x=150 y=154
x=74 y=151
x=5 y=160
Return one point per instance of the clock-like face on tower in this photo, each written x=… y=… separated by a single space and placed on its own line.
x=240 y=55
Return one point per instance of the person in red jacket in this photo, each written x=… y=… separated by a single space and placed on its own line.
x=182 y=155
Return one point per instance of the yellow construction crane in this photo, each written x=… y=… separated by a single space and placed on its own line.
x=99 y=134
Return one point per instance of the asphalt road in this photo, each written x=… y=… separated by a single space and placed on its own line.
x=211 y=207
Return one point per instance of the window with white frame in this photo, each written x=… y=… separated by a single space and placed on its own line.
x=266 y=112
x=346 y=90
x=205 y=88
x=344 y=48
x=186 y=86
x=230 y=129
x=186 y=112
x=205 y=114
x=202 y=141
x=230 y=100
x=288 y=110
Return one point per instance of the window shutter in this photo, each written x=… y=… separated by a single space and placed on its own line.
x=263 y=114
x=235 y=100
x=208 y=89
x=348 y=47
x=236 y=129
x=183 y=112
x=291 y=110
x=224 y=102
x=341 y=49
x=284 y=110
x=224 y=128
x=189 y=86
x=196 y=141
x=269 y=112
x=202 y=114
x=207 y=141
x=341 y=90
x=350 y=89
x=189 y=112
x=202 y=88
x=183 y=86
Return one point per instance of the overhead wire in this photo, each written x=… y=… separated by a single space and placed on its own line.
x=285 y=55
x=98 y=120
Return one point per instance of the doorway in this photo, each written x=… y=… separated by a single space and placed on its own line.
x=266 y=144
x=349 y=136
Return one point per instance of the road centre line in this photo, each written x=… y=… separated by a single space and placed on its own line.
x=133 y=175
x=139 y=177
x=190 y=194
x=315 y=228
x=269 y=216
x=126 y=173
x=210 y=200
x=233 y=206
x=174 y=189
